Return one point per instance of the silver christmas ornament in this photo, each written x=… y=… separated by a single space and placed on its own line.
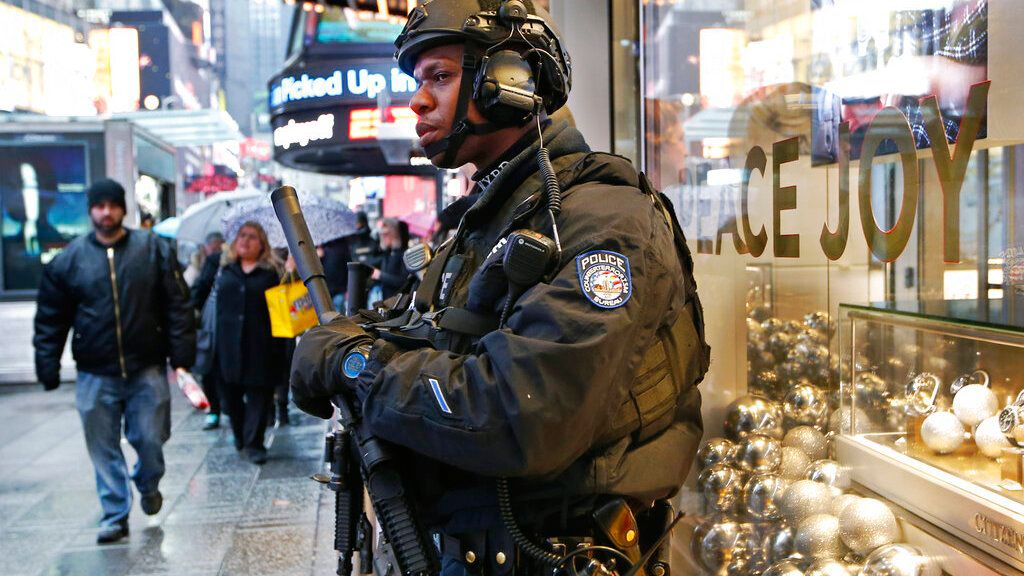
x=761 y=496
x=818 y=537
x=783 y=568
x=973 y=403
x=777 y=541
x=805 y=498
x=942 y=432
x=808 y=439
x=817 y=321
x=841 y=502
x=990 y=438
x=760 y=313
x=723 y=546
x=758 y=454
x=721 y=486
x=794 y=463
x=829 y=473
x=714 y=451
x=827 y=568
x=805 y=405
x=752 y=415
x=898 y=560
x=779 y=344
x=867 y=524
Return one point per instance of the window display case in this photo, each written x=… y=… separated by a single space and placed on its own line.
x=933 y=390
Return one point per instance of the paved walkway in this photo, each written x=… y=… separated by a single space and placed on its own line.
x=221 y=515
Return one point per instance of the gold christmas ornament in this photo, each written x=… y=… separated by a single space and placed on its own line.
x=721 y=486
x=829 y=473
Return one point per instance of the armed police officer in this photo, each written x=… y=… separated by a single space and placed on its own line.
x=542 y=380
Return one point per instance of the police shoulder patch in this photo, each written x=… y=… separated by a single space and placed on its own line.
x=605 y=278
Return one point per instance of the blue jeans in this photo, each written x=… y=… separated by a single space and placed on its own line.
x=143 y=403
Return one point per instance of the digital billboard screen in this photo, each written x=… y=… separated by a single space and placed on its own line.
x=42 y=197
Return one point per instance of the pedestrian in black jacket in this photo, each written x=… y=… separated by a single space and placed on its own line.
x=249 y=361
x=200 y=290
x=389 y=268
x=123 y=294
x=356 y=247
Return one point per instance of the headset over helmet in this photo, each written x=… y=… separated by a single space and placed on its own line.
x=514 y=63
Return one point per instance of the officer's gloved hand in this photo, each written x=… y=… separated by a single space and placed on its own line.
x=381 y=353
x=316 y=373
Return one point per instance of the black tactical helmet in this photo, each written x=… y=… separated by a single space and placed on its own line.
x=478 y=25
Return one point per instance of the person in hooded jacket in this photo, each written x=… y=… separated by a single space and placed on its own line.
x=574 y=388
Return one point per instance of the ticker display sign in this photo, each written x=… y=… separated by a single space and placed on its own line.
x=342 y=84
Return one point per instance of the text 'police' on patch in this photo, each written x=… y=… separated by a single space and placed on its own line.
x=605 y=278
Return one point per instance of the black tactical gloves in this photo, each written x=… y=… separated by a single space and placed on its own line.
x=316 y=373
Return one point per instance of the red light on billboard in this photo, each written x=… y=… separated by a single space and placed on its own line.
x=363 y=123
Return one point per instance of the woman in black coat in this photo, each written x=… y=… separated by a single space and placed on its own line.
x=389 y=267
x=249 y=359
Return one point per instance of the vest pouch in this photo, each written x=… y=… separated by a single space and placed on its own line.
x=625 y=468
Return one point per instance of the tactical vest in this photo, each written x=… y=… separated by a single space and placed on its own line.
x=664 y=388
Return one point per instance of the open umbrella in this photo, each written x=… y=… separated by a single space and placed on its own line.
x=168 y=227
x=327 y=219
x=200 y=219
x=421 y=224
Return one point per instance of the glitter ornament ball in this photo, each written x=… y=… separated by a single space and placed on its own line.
x=841 y=502
x=784 y=568
x=990 y=438
x=758 y=454
x=794 y=463
x=867 y=524
x=827 y=568
x=809 y=440
x=818 y=537
x=714 y=451
x=761 y=496
x=805 y=498
x=942 y=432
x=973 y=403
x=752 y=415
x=898 y=560
x=721 y=486
x=829 y=473
x=805 y=405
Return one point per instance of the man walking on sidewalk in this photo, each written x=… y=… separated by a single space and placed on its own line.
x=123 y=293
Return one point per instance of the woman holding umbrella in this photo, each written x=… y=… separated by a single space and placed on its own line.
x=250 y=361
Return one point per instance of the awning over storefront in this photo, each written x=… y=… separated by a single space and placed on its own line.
x=181 y=128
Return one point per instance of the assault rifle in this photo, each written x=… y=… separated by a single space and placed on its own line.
x=356 y=457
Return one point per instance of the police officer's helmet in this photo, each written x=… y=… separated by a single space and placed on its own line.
x=513 y=54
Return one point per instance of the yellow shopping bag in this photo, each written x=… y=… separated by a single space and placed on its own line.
x=291 y=309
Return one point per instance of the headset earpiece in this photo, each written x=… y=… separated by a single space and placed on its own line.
x=505 y=90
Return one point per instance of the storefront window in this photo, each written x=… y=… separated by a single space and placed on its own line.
x=847 y=173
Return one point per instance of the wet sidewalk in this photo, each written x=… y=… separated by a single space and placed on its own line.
x=221 y=514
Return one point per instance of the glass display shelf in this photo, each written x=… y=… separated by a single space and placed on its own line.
x=933 y=390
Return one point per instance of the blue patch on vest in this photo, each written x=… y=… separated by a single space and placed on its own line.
x=604 y=278
x=442 y=403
